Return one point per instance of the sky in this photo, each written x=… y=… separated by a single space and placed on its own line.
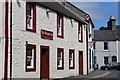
x=99 y=11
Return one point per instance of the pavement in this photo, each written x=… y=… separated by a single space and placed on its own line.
x=95 y=75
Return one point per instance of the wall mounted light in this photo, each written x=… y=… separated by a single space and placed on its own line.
x=48 y=10
x=72 y=20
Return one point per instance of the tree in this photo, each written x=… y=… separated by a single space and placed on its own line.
x=103 y=28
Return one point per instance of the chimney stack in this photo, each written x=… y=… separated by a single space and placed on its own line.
x=111 y=23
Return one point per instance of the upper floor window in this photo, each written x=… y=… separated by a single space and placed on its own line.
x=60 y=58
x=80 y=38
x=60 y=26
x=30 y=17
x=71 y=59
x=105 y=45
x=30 y=57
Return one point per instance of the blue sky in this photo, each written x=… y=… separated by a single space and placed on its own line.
x=99 y=11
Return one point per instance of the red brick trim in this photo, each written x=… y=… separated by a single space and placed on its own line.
x=6 y=41
x=34 y=67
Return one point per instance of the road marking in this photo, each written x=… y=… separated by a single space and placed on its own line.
x=108 y=72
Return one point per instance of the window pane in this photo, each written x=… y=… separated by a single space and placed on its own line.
x=71 y=56
x=29 y=8
x=105 y=60
x=60 y=26
x=30 y=57
x=60 y=60
x=59 y=55
x=29 y=16
x=30 y=52
x=71 y=59
x=79 y=31
x=105 y=46
x=28 y=62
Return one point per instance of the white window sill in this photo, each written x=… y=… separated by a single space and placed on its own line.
x=105 y=50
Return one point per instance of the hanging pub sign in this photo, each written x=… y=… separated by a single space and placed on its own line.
x=46 y=34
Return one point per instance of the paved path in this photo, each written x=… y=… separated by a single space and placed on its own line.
x=92 y=76
x=102 y=75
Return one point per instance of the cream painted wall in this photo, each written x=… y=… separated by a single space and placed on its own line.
x=2 y=9
x=100 y=53
x=20 y=36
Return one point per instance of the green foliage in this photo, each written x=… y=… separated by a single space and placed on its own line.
x=103 y=28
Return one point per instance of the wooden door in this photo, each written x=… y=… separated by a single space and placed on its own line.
x=80 y=62
x=44 y=62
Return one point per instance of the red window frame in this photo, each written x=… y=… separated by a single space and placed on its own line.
x=34 y=62
x=73 y=51
x=62 y=26
x=34 y=17
x=62 y=67
x=80 y=31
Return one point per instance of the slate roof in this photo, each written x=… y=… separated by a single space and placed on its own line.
x=55 y=6
x=104 y=35
x=117 y=32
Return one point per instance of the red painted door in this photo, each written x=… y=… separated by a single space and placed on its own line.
x=80 y=62
x=44 y=62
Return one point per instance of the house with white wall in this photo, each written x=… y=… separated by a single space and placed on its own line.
x=107 y=43
x=90 y=26
x=91 y=53
x=41 y=40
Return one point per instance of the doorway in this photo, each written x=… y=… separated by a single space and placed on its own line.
x=105 y=60
x=114 y=59
x=44 y=62
x=80 y=62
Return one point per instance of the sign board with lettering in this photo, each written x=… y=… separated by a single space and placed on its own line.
x=46 y=34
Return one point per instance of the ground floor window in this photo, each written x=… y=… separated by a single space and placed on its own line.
x=60 y=58
x=71 y=59
x=105 y=60
x=30 y=57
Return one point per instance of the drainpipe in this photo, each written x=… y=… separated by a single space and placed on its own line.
x=10 y=39
x=117 y=49
x=87 y=48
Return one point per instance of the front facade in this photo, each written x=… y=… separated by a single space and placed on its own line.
x=91 y=53
x=105 y=52
x=107 y=44
x=46 y=42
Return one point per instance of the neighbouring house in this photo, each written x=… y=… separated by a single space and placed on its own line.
x=107 y=43
x=91 y=53
x=42 y=40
